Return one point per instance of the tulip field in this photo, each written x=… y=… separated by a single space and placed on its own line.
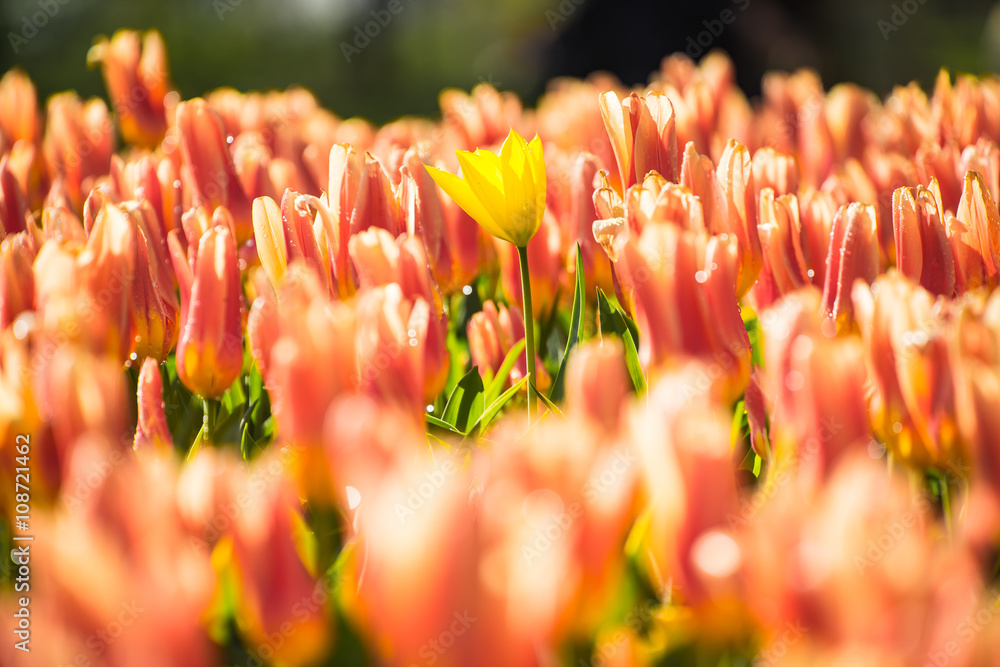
x=634 y=378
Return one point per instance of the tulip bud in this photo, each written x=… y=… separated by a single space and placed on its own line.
x=209 y=164
x=642 y=135
x=151 y=430
x=597 y=384
x=853 y=254
x=376 y=204
x=17 y=284
x=264 y=542
x=134 y=67
x=210 y=347
x=784 y=267
x=18 y=108
x=775 y=170
x=492 y=332
x=914 y=403
x=974 y=235
x=922 y=250
x=739 y=215
x=78 y=143
x=817 y=384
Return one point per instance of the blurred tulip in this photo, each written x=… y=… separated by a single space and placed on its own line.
x=816 y=381
x=680 y=287
x=18 y=109
x=914 y=403
x=134 y=67
x=492 y=332
x=210 y=346
x=15 y=213
x=17 y=284
x=208 y=165
x=739 y=215
x=689 y=488
x=273 y=580
x=775 y=170
x=391 y=347
x=78 y=143
x=381 y=260
x=597 y=385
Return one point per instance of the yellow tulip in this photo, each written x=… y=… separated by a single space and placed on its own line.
x=504 y=193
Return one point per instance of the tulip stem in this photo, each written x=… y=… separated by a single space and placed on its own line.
x=529 y=328
x=211 y=407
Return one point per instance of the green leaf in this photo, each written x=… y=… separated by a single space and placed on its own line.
x=466 y=403
x=434 y=421
x=756 y=335
x=575 y=328
x=490 y=413
x=548 y=403
x=614 y=322
x=495 y=387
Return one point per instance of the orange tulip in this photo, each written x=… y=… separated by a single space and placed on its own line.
x=923 y=252
x=151 y=430
x=642 y=135
x=17 y=284
x=134 y=67
x=974 y=235
x=210 y=346
x=853 y=255
x=208 y=165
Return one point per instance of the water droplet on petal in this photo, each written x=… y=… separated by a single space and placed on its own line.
x=701 y=276
x=467 y=290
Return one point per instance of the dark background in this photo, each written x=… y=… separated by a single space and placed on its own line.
x=517 y=44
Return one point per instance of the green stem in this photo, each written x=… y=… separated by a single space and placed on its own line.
x=529 y=328
x=211 y=407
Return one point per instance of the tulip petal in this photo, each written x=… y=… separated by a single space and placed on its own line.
x=459 y=190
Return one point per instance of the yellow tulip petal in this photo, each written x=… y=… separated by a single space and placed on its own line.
x=483 y=177
x=519 y=189
x=460 y=192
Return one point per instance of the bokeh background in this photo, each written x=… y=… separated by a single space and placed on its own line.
x=516 y=44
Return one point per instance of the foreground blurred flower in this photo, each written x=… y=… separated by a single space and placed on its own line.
x=505 y=194
x=210 y=347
